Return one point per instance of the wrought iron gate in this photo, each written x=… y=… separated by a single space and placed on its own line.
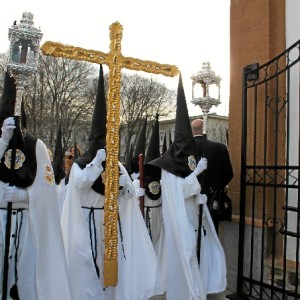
x=269 y=229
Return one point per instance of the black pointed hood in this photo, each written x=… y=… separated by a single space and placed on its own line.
x=58 y=159
x=164 y=147
x=25 y=144
x=139 y=148
x=181 y=157
x=170 y=138
x=153 y=147
x=97 y=138
x=23 y=116
x=152 y=174
x=129 y=159
x=76 y=151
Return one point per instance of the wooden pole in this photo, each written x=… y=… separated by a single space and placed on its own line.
x=8 y=215
x=141 y=169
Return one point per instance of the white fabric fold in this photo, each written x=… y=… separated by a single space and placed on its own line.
x=42 y=267
x=180 y=212
x=136 y=272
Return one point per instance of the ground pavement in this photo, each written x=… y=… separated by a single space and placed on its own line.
x=219 y=296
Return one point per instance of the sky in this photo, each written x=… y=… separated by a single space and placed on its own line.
x=182 y=33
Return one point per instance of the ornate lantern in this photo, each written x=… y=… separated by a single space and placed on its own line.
x=23 y=54
x=205 y=77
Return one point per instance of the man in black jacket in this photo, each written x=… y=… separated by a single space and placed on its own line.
x=218 y=174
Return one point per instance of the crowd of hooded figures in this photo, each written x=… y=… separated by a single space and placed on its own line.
x=52 y=248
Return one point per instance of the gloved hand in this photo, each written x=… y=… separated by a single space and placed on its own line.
x=7 y=130
x=15 y=194
x=201 y=166
x=135 y=175
x=201 y=199
x=140 y=192
x=128 y=191
x=99 y=158
x=122 y=180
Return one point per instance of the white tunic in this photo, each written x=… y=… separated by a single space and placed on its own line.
x=153 y=215
x=136 y=256
x=153 y=210
x=41 y=262
x=180 y=212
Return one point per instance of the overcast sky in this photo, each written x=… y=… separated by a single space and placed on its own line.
x=183 y=33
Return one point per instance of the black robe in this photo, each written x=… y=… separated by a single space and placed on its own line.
x=219 y=169
x=215 y=178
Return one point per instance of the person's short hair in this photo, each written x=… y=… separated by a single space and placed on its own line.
x=197 y=126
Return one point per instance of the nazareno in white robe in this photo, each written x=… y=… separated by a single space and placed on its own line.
x=185 y=280
x=136 y=273
x=154 y=209
x=42 y=268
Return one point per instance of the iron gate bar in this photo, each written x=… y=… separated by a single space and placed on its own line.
x=273 y=181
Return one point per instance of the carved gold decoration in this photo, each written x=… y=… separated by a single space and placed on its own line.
x=115 y=61
x=192 y=163
x=154 y=187
x=49 y=174
x=20 y=158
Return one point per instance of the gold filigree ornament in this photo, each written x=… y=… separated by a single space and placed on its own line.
x=20 y=158
x=192 y=162
x=49 y=174
x=154 y=187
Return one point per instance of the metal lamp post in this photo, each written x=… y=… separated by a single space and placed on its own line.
x=205 y=77
x=22 y=63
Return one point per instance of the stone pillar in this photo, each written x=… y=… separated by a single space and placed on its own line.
x=257 y=34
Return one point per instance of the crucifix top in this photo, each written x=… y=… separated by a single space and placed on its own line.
x=115 y=62
x=114 y=57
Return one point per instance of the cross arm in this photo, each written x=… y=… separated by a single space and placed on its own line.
x=71 y=52
x=149 y=66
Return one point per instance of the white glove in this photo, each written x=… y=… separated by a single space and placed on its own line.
x=7 y=130
x=122 y=180
x=15 y=194
x=201 y=166
x=135 y=175
x=140 y=192
x=3 y=148
x=128 y=191
x=201 y=199
x=99 y=158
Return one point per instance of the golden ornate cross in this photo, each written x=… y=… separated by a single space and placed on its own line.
x=115 y=61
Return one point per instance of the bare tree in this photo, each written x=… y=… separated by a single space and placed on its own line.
x=63 y=91
x=61 y=94
x=141 y=97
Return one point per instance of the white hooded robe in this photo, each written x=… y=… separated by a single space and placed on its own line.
x=136 y=256
x=41 y=262
x=185 y=280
